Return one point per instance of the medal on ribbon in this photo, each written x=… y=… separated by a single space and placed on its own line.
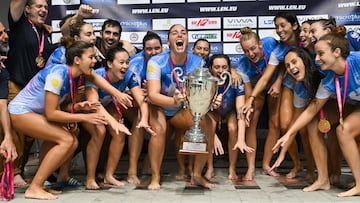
x=72 y=127
x=324 y=125
x=40 y=61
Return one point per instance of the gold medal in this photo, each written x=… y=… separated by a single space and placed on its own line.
x=324 y=125
x=341 y=121
x=40 y=61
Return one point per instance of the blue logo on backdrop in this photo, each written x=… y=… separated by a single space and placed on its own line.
x=234 y=59
x=163 y=36
x=216 y=48
x=98 y=1
x=348 y=19
x=135 y=25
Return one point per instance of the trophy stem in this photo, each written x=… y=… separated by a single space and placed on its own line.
x=195 y=134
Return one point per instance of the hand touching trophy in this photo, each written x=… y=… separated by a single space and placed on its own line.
x=200 y=88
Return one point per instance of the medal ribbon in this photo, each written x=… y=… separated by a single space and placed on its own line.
x=118 y=109
x=338 y=93
x=40 y=44
x=72 y=90
x=176 y=79
x=257 y=67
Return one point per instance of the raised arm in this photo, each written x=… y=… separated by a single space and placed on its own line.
x=17 y=8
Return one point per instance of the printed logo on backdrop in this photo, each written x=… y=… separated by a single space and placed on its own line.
x=96 y=23
x=163 y=36
x=133 y=37
x=234 y=59
x=287 y=7
x=239 y=22
x=211 y=36
x=135 y=25
x=55 y=25
x=216 y=48
x=203 y=1
x=98 y=1
x=302 y=18
x=140 y=11
x=133 y=1
x=268 y=33
x=167 y=1
x=232 y=48
x=349 y=4
x=231 y=35
x=348 y=19
x=204 y=23
x=165 y=24
x=65 y=2
x=216 y=9
x=266 y=22
x=353 y=28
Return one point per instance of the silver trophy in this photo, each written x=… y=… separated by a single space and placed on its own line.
x=200 y=89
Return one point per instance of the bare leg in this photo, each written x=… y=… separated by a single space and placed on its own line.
x=93 y=149
x=64 y=146
x=273 y=134
x=232 y=139
x=319 y=150
x=179 y=157
x=347 y=139
x=115 y=151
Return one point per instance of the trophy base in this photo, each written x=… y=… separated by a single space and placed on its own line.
x=193 y=148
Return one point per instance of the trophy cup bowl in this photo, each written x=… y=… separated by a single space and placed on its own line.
x=200 y=88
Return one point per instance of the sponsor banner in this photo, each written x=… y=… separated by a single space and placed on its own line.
x=231 y=35
x=135 y=24
x=163 y=36
x=353 y=27
x=204 y=23
x=167 y=1
x=266 y=22
x=232 y=48
x=65 y=2
x=268 y=33
x=98 y=1
x=133 y=1
x=203 y=0
x=215 y=9
x=133 y=37
x=211 y=36
x=165 y=24
x=287 y=7
x=142 y=11
x=352 y=4
x=302 y=18
x=55 y=37
x=234 y=59
x=348 y=19
x=55 y=25
x=96 y=23
x=239 y=22
x=68 y=12
x=216 y=48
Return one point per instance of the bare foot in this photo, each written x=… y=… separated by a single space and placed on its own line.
x=199 y=180
x=232 y=175
x=293 y=173
x=270 y=172
x=209 y=174
x=91 y=185
x=133 y=179
x=34 y=192
x=155 y=183
x=352 y=192
x=249 y=176
x=19 y=181
x=111 y=180
x=180 y=177
x=317 y=185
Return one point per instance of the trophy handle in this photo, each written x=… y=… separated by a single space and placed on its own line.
x=224 y=75
x=176 y=73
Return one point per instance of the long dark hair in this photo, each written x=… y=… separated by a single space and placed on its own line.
x=313 y=76
x=76 y=49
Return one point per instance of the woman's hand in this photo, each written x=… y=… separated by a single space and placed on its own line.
x=147 y=127
x=8 y=150
x=124 y=100
x=95 y=118
x=218 y=148
x=217 y=101
x=87 y=106
x=243 y=147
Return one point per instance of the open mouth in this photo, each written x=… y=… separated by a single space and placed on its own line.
x=179 y=43
x=295 y=72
